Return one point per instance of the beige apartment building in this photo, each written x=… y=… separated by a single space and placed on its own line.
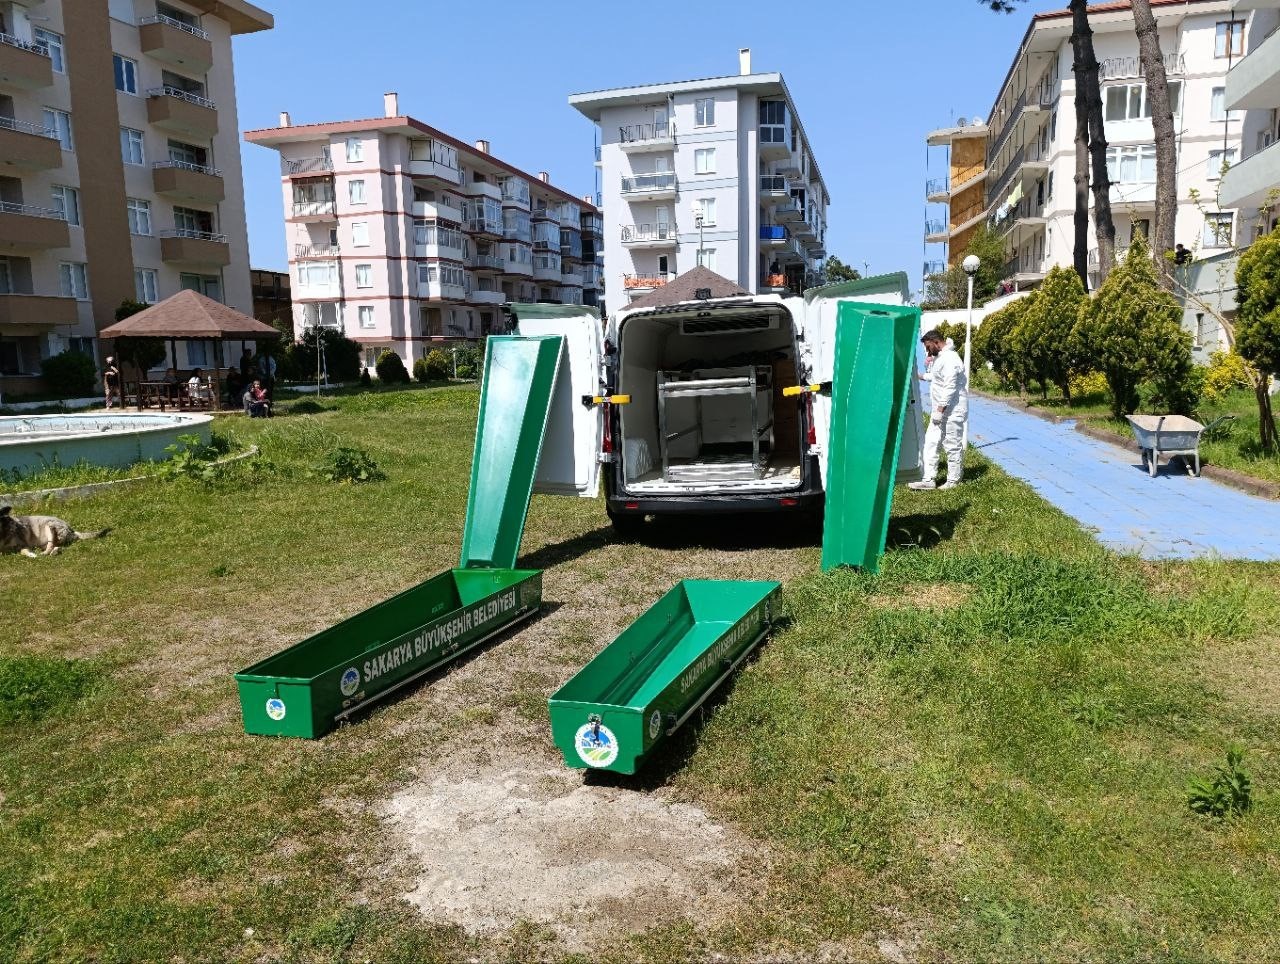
x=119 y=168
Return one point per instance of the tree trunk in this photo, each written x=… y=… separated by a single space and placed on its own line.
x=1266 y=420
x=1163 y=231
x=1086 y=70
x=1082 y=188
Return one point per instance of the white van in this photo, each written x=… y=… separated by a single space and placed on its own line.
x=682 y=408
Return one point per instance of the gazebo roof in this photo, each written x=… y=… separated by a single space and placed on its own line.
x=189 y=314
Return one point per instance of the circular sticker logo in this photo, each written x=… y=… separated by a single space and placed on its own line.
x=596 y=744
x=350 y=681
x=275 y=708
x=655 y=725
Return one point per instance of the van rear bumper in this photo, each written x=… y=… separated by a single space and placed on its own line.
x=807 y=501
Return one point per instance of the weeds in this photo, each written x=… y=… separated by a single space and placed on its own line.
x=1228 y=793
x=345 y=464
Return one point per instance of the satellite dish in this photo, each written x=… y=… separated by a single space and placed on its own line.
x=962 y=122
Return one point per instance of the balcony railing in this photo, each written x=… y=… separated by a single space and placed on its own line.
x=485 y=225
x=194 y=235
x=996 y=190
x=663 y=231
x=639 y=133
x=305 y=165
x=775 y=183
x=176 y=24
x=1023 y=209
x=187 y=166
x=934 y=267
x=180 y=94
x=661 y=181
x=592 y=224
x=13 y=207
x=773 y=281
x=35 y=48
x=1015 y=112
x=937 y=185
x=935 y=227
x=773 y=232
x=1114 y=68
x=490 y=261
x=545 y=214
x=307 y=209
x=315 y=250
x=12 y=124
x=644 y=281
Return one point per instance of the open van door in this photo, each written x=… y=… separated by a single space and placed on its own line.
x=821 y=306
x=570 y=460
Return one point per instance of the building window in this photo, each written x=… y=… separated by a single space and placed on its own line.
x=1218 y=230
x=360 y=234
x=704 y=112
x=318 y=274
x=208 y=285
x=197 y=354
x=181 y=153
x=1129 y=101
x=126 y=74
x=139 y=216
x=131 y=146
x=59 y=121
x=1218 y=106
x=707 y=258
x=1132 y=165
x=74 y=280
x=191 y=221
x=704 y=160
x=365 y=313
x=53 y=41
x=355 y=150
x=173 y=13
x=144 y=285
x=364 y=276
x=1220 y=161
x=66 y=201
x=707 y=211
x=1229 y=40
x=355 y=192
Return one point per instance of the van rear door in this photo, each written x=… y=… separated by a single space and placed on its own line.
x=570 y=460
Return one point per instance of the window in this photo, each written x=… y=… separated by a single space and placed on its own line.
x=707 y=258
x=197 y=354
x=181 y=153
x=126 y=74
x=188 y=85
x=1218 y=106
x=60 y=121
x=355 y=150
x=704 y=160
x=1129 y=101
x=318 y=274
x=1218 y=161
x=144 y=285
x=139 y=216
x=131 y=146
x=1218 y=230
x=53 y=41
x=173 y=13
x=1229 y=40
x=208 y=285
x=192 y=221
x=1132 y=165
x=704 y=112
x=360 y=234
x=365 y=313
x=74 y=280
x=364 y=276
x=707 y=211
x=355 y=192
x=66 y=201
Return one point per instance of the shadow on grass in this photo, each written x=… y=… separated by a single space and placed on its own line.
x=732 y=533
x=924 y=530
x=557 y=553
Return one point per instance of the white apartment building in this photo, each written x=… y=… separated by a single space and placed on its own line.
x=1253 y=90
x=119 y=168
x=401 y=236
x=1030 y=165
x=717 y=172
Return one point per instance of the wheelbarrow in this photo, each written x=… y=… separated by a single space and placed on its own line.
x=1169 y=436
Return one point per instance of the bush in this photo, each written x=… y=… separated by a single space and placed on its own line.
x=1226 y=372
x=471 y=357
x=466 y=371
x=993 y=342
x=346 y=464
x=420 y=373
x=1049 y=324
x=1088 y=385
x=955 y=331
x=1258 y=323
x=438 y=365
x=341 y=357
x=70 y=374
x=391 y=370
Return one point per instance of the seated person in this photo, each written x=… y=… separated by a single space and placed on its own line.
x=197 y=387
x=257 y=400
x=171 y=376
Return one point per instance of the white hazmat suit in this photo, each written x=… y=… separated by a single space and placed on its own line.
x=948 y=412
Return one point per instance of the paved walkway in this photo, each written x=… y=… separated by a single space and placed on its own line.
x=1106 y=490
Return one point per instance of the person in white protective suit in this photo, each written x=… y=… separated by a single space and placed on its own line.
x=948 y=412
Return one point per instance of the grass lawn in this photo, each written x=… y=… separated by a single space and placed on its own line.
x=981 y=753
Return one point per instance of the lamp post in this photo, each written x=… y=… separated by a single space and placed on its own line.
x=971 y=264
x=697 y=220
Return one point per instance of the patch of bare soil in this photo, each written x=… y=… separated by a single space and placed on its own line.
x=1247 y=673
x=924 y=596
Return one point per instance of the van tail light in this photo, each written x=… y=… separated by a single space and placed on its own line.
x=631 y=505
x=606 y=440
x=812 y=438
x=788 y=503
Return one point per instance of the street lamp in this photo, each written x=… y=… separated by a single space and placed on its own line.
x=697 y=220
x=971 y=264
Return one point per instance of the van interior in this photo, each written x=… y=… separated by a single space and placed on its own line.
x=707 y=414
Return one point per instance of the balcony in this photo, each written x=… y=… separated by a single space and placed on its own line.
x=590 y=275
x=569 y=275
x=638 y=284
x=441 y=209
x=1118 y=68
x=773 y=284
x=546 y=268
x=518 y=268
x=172 y=109
x=935 y=231
x=775 y=142
x=174 y=42
x=188 y=182
x=1248 y=184
x=773 y=235
x=306 y=165
x=649 y=187
x=937 y=190
x=308 y=252
x=488 y=227
x=774 y=188
x=487 y=262
x=804 y=231
x=638 y=138
x=788 y=210
x=934 y=267
x=24 y=65
x=315 y=210
x=479 y=296
x=661 y=235
x=1254 y=82
x=449 y=246
x=592 y=224
x=545 y=213
x=1024 y=212
x=435 y=169
x=29 y=147
x=441 y=291
x=1023 y=271
x=182 y=246
x=818 y=251
x=483 y=189
x=23 y=227
x=38 y=312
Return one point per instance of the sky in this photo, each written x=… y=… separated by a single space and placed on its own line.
x=870 y=80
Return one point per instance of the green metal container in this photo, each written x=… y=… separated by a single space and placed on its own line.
x=306 y=689
x=648 y=681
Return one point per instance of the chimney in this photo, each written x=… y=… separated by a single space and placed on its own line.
x=544 y=177
x=744 y=60
x=284 y=118
x=391 y=104
x=482 y=146
x=589 y=199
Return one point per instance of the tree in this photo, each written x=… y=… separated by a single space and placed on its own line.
x=1164 y=234
x=1050 y=321
x=950 y=289
x=69 y=374
x=991 y=341
x=836 y=270
x=341 y=356
x=1131 y=331
x=390 y=369
x=1257 y=325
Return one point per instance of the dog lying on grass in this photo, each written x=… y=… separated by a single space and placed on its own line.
x=27 y=533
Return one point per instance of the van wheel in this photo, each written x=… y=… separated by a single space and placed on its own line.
x=628 y=528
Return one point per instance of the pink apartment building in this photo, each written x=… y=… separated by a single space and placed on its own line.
x=402 y=236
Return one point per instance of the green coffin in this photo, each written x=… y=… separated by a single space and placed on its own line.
x=649 y=680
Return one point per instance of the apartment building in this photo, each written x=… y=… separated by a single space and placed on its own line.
x=956 y=202
x=401 y=235
x=119 y=167
x=716 y=172
x=1252 y=185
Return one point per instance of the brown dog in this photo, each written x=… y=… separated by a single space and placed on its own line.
x=26 y=533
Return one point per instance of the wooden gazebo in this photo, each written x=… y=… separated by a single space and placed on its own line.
x=190 y=316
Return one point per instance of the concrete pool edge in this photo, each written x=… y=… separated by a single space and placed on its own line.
x=31 y=442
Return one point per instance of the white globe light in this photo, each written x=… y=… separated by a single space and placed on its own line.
x=971 y=264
